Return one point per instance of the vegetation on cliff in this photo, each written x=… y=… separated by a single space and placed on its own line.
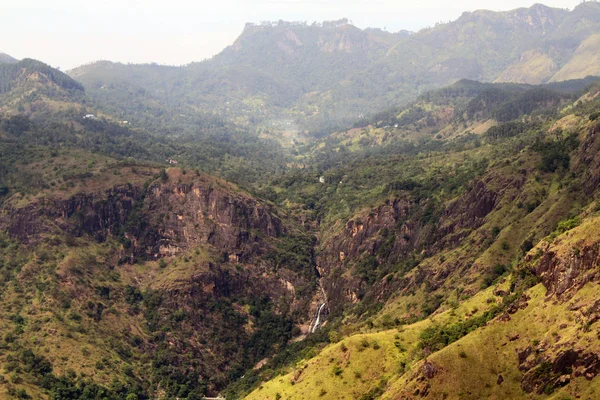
x=190 y=238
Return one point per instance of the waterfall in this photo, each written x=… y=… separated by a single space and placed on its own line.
x=316 y=325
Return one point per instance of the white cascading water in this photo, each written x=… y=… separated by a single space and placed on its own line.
x=316 y=325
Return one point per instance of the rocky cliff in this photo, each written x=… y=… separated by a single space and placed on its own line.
x=165 y=218
x=391 y=238
x=212 y=300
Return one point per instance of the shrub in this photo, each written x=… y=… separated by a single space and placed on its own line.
x=364 y=344
x=337 y=370
x=492 y=275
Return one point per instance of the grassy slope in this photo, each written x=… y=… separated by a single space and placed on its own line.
x=488 y=352
x=58 y=329
x=534 y=67
x=468 y=368
x=584 y=62
x=366 y=360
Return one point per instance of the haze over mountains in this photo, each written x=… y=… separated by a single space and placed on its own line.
x=6 y=59
x=319 y=211
x=326 y=76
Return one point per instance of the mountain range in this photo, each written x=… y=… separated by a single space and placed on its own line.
x=319 y=211
x=325 y=76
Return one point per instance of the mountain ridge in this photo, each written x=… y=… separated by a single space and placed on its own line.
x=304 y=71
x=157 y=241
x=7 y=59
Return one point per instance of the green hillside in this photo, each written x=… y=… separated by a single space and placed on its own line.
x=443 y=265
x=410 y=236
x=319 y=211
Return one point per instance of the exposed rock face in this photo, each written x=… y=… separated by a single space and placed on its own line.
x=233 y=224
x=206 y=307
x=564 y=361
x=590 y=159
x=429 y=370
x=401 y=227
x=360 y=238
x=97 y=214
x=469 y=211
x=564 y=274
x=546 y=373
x=523 y=354
x=163 y=220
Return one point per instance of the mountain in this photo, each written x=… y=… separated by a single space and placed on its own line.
x=300 y=50
x=30 y=86
x=6 y=59
x=73 y=174
x=452 y=264
x=325 y=76
x=168 y=282
x=123 y=257
x=40 y=104
x=241 y=82
x=19 y=73
x=174 y=232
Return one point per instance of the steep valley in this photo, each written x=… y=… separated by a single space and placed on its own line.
x=252 y=228
x=126 y=278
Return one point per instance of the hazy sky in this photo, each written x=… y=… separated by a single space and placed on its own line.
x=68 y=33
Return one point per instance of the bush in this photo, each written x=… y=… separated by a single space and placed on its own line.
x=492 y=275
x=364 y=344
x=436 y=337
x=337 y=370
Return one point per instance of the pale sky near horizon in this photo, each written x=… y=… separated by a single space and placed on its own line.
x=69 y=33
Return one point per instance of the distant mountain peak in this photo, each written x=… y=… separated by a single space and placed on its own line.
x=6 y=59
x=31 y=74
x=300 y=39
x=290 y=24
